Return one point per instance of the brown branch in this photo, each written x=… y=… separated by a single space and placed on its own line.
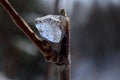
x=61 y=59
x=22 y=25
x=64 y=71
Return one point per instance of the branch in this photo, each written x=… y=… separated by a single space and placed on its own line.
x=61 y=59
x=64 y=71
x=22 y=25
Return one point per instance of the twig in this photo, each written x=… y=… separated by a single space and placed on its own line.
x=50 y=72
x=61 y=59
x=22 y=25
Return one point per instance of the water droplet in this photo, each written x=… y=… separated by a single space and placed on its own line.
x=50 y=27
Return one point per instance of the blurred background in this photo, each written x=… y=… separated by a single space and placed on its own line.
x=95 y=40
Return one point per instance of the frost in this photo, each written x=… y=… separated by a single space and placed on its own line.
x=50 y=27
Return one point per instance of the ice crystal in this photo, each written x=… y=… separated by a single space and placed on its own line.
x=50 y=27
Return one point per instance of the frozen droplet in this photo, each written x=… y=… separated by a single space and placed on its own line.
x=50 y=27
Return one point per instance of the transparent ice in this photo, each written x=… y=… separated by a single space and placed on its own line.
x=49 y=28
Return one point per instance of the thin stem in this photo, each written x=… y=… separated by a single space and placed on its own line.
x=62 y=59
x=64 y=71
x=50 y=72
x=21 y=24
